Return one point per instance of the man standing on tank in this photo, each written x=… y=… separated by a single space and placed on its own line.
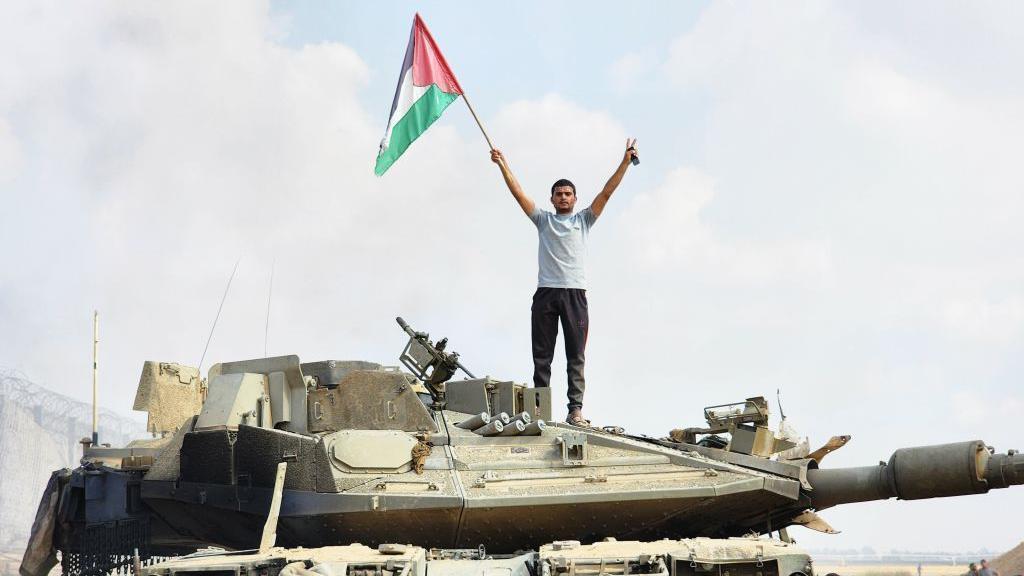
x=561 y=280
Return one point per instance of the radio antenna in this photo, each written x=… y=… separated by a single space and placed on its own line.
x=95 y=375
x=217 y=317
x=270 y=291
x=778 y=398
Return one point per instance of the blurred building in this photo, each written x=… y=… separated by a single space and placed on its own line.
x=40 y=432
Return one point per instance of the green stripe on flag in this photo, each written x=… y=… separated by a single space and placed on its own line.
x=415 y=122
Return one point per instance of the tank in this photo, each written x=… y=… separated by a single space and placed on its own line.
x=343 y=452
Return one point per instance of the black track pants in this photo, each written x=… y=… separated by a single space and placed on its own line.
x=569 y=305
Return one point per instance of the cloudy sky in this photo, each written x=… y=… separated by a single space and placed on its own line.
x=829 y=204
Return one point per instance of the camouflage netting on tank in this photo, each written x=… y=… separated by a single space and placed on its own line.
x=170 y=393
x=39 y=433
x=167 y=465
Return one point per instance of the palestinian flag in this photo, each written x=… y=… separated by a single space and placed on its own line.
x=426 y=87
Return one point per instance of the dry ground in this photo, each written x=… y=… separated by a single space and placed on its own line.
x=1010 y=563
x=822 y=568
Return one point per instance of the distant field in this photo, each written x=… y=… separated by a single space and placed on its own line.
x=822 y=568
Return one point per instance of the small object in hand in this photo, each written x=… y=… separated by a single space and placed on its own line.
x=634 y=158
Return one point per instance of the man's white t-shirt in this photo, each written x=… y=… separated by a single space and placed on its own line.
x=562 y=248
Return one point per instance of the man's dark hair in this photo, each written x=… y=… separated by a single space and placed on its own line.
x=563 y=182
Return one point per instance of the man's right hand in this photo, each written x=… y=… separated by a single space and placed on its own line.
x=510 y=180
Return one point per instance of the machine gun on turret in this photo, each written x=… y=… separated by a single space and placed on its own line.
x=430 y=363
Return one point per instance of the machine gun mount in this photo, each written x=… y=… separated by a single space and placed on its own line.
x=430 y=363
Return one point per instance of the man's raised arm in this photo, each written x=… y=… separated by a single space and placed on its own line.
x=597 y=206
x=513 y=185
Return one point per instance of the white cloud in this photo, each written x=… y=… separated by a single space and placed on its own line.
x=630 y=70
x=667 y=221
x=668 y=232
x=990 y=322
x=971 y=409
x=10 y=153
x=841 y=127
x=875 y=89
x=554 y=138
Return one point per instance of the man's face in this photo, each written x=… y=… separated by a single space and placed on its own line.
x=563 y=199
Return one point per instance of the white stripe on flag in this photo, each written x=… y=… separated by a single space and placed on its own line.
x=407 y=96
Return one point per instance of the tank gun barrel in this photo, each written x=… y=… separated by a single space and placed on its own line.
x=917 y=473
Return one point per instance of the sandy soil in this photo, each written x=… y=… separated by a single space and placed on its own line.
x=822 y=568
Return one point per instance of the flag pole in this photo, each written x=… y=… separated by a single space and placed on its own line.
x=473 y=112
